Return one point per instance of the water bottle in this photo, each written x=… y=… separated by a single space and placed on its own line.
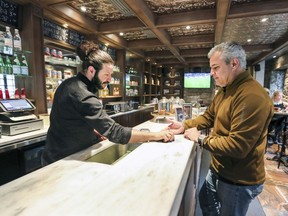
x=24 y=66
x=17 y=41
x=2 y=65
x=16 y=65
x=8 y=41
x=8 y=66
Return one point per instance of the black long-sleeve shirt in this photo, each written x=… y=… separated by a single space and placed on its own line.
x=75 y=113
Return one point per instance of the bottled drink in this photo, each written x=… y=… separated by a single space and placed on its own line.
x=17 y=94
x=2 y=42
x=8 y=41
x=17 y=41
x=2 y=65
x=23 y=93
x=7 y=95
x=8 y=66
x=16 y=65
x=24 y=66
x=1 y=94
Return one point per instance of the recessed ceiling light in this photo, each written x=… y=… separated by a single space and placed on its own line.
x=274 y=56
x=249 y=40
x=121 y=33
x=83 y=8
x=264 y=19
x=188 y=27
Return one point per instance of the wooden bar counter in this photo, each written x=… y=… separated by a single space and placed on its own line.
x=151 y=180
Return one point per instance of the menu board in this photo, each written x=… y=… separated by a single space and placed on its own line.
x=57 y=32
x=9 y=13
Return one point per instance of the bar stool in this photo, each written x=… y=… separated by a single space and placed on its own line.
x=283 y=145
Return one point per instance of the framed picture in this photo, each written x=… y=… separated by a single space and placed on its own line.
x=187 y=107
x=179 y=113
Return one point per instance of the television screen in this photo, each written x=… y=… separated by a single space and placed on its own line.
x=197 y=80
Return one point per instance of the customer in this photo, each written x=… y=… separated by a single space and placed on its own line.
x=276 y=123
x=239 y=115
x=77 y=118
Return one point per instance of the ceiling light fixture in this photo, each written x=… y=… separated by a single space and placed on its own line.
x=188 y=27
x=249 y=40
x=274 y=56
x=264 y=19
x=65 y=25
x=121 y=33
x=83 y=8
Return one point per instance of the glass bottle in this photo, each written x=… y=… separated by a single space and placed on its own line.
x=8 y=41
x=23 y=93
x=2 y=65
x=17 y=94
x=16 y=65
x=17 y=41
x=7 y=95
x=24 y=66
x=8 y=66
x=2 y=42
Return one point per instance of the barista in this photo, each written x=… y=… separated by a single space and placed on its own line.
x=77 y=119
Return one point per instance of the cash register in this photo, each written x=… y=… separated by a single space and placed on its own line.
x=16 y=117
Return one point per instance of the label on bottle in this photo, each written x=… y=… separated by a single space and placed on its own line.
x=17 y=45
x=16 y=69
x=24 y=70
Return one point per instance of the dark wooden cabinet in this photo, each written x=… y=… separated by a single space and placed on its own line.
x=134 y=118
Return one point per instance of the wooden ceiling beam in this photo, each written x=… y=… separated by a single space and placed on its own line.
x=194 y=39
x=223 y=7
x=143 y=12
x=258 y=9
x=131 y=24
x=202 y=16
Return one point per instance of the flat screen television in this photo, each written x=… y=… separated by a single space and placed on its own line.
x=197 y=80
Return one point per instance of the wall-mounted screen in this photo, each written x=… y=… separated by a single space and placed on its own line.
x=197 y=80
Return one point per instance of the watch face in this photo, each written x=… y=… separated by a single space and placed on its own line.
x=179 y=114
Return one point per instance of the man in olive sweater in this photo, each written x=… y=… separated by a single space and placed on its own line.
x=239 y=115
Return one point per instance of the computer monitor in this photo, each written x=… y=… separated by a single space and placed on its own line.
x=16 y=105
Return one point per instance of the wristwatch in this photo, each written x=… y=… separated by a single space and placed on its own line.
x=200 y=139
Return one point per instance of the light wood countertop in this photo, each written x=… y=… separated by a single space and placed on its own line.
x=149 y=181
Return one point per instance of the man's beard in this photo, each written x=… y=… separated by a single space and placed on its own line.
x=97 y=83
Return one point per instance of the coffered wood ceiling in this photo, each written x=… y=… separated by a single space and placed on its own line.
x=156 y=29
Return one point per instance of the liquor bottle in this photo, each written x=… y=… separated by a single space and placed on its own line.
x=16 y=65
x=24 y=66
x=8 y=66
x=17 y=41
x=2 y=65
x=8 y=41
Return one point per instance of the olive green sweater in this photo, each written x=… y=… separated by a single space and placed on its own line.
x=239 y=116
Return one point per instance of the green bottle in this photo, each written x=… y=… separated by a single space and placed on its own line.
x=16 y=65
x=8 y=66
x=2 y=65
x=24 y=66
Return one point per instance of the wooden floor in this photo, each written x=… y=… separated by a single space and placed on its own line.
x=273 y=201
x=274 y=198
